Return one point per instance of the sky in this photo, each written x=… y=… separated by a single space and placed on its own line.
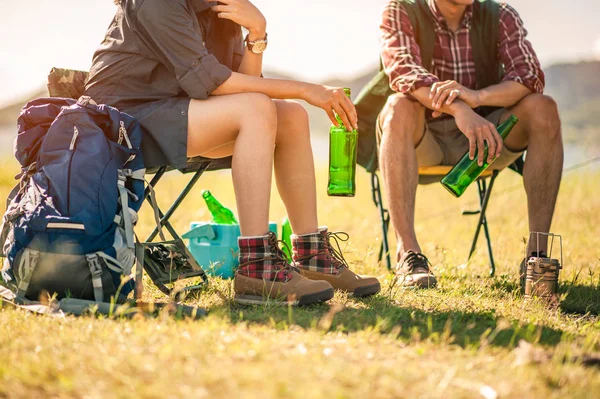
x=310 y=39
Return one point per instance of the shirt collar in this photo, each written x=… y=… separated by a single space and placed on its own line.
x=200 y=5
x=467 y=17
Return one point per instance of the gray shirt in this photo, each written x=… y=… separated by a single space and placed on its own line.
x=158 y=49
x=155 y=57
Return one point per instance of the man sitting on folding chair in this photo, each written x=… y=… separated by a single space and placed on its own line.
x=457 y=68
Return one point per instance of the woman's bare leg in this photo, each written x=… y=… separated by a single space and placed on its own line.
x=244 y=125
x=294 y=166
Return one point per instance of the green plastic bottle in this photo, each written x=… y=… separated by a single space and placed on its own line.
x=220 y=214
x=466 y=171
x=342 y=159
x=286 y=232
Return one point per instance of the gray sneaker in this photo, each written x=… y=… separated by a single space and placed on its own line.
x=414 y=272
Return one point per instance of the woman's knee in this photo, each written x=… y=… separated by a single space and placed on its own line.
x=290 y=112
x=259 y=108
x=292 y=121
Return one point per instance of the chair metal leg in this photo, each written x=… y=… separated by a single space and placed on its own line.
x=485 y=192
x=384 y=215
x=489 y=246
x=164 y=219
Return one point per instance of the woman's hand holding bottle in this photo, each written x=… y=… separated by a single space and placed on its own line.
x=333 y=99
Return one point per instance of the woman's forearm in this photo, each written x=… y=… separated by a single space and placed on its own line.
x=332 y=100
x=251 y=64
x=273 y=88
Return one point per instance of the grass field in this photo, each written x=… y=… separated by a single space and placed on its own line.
x=473 y=337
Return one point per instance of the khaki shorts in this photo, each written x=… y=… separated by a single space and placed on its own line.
x=444 y=144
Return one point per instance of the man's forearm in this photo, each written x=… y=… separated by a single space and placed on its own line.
x=504 y=94
x=422 y=95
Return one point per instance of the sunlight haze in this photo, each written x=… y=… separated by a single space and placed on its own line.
x=309 y=39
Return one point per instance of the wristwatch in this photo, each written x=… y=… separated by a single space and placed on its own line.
x=256 y=46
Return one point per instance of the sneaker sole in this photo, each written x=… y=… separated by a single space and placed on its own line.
x=308 y=299
x=417 y=284
x=368 y=290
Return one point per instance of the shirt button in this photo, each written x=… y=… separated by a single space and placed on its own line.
x=183 y=113
x=195 y=63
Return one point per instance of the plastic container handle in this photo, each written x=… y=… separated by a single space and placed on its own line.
x=204 y=231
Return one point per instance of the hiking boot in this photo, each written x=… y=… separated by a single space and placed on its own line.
x=318 y=259
x=265 y=276
x=414 y=271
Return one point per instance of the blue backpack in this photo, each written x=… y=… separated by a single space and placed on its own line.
x=68 y=228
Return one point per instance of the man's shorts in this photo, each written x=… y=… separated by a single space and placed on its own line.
x=444 y=144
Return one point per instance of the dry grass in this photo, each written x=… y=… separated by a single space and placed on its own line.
x=461 y=340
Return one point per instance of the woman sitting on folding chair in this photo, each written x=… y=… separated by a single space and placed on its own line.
x=181 y=68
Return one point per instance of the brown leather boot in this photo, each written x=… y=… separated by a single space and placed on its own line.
x=265 y=276
x=317 y=259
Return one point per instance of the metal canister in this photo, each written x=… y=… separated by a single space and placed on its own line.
x=541 y=279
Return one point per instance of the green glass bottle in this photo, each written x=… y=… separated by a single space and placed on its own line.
x=342 y=159
x=466 y=171
x=286 y=232
x=220 y=214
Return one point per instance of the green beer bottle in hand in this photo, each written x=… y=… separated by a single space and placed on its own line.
x=220 y=214
x=466 y=171
x=342 y=159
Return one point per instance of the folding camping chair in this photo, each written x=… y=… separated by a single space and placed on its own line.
x=430 y=174
x=70 y=84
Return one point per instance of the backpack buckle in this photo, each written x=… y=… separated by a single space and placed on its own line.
x=94 y=264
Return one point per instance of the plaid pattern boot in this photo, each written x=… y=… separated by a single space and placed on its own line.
x=318 y=259
x=265 y=276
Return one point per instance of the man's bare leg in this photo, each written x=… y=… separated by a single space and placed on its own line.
x=403 y=123
x=539 y=130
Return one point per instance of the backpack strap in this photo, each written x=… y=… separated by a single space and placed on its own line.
x=96 y=271
x=155 y=209
x=125 y=215
x=484 y=41
x=28 y=264
x=422 y=22
x=139 y=270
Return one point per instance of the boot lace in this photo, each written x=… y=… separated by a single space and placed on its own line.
x=336 y=254
x=333 y=253
x=415 y=263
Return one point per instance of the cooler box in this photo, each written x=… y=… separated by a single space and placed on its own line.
x=215 y=248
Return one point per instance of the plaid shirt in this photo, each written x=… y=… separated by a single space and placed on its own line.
x=452 y=54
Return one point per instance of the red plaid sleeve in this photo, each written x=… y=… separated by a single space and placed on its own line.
x=516 y=52
x=400 y=53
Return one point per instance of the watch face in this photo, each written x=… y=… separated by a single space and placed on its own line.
x=259 y=46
